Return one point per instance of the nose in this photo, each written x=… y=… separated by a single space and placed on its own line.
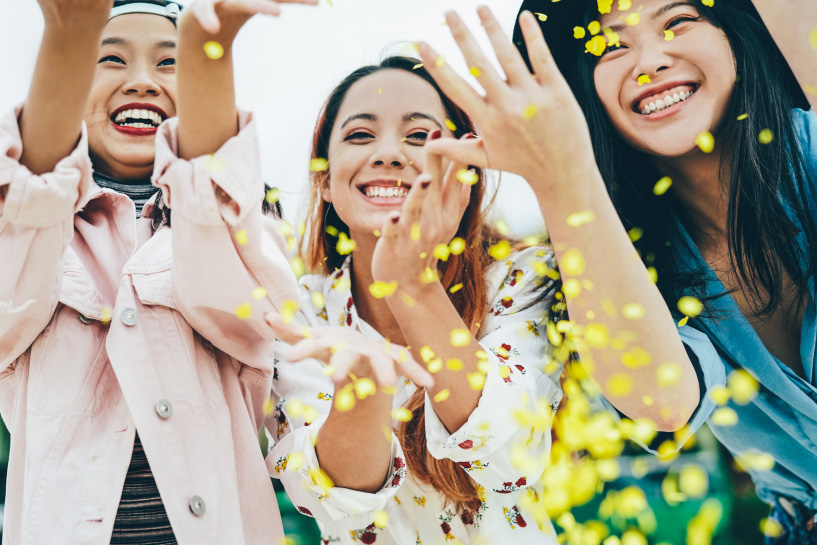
x=653 y=57
x=388 y=152
x=140 y=81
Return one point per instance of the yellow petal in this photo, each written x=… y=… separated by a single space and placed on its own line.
x=633 y=18
x=460 y=337
x=596 y=45
x=441 y=396
x=450 y=124
x=643 y=79
x=318 y=164
x=725 y=416
x=455 y=288
x=345 y=245
x=500 y=250
x=213 y=50
x=577 y=219
x=578 y=32
x=381 y=519
x=633 y=311
x=572 y=262
x=365 y=387
x=243 y=311
x=381 y=289
x=765 y=136
x=467 y=176
x=455 y=364
x=693 y=481
x=662 y=185
x=669 y=35
x=457 y=246
x=705 y=141
x=742 y=386
x=594 y=27
x=401 y=414
x=690 y=306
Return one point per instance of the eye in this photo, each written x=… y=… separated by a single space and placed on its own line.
x=111 y=58
x=358 y=136
x=612 y=48
x=168 y=62
x=417 y=137
x=682 y=19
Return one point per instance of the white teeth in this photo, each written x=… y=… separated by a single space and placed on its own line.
x=387 y=192
x=138 y=117
x=659 y=104
x=666 y=102
x=652 y=106
x=676 y=98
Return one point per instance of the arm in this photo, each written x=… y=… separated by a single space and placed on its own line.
x=52 y=120
x=560 y=166
x=793 y=24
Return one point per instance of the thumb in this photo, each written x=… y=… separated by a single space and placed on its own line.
x=205 y=13
x=465 y=151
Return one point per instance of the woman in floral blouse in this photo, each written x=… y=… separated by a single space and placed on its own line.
x=368 y=442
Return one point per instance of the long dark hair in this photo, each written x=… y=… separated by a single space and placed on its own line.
x=765 y=182
x=319 y=252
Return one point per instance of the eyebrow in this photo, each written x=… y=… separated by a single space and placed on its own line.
x=618 y=27
x=166 y=44
x=406 y=118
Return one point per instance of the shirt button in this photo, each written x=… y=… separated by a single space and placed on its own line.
x=164 y=409
x=84 y=319
x=129 y=316
x=197 y=506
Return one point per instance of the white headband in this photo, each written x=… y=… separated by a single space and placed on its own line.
x=171 y=11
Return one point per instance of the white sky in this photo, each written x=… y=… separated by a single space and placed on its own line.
x=286 y=67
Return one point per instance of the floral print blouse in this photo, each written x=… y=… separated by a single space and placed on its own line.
x=514 y=337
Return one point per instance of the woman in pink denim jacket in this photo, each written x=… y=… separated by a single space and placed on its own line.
x=110 y=325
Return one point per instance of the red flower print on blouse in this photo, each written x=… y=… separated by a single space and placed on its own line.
x=446 y=527
x=368 y=537
x=398 y=463
x=465 y=445
x=520 y=521
x=522 y=481
x=507 y=302
x=516 y=275
x=396 y=480
x=467 y=517
x=465 y=465
x=305 y=511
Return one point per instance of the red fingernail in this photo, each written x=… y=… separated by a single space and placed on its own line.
x=425 y=183
x=395 y=219
x=470 y=136
x=435 y=134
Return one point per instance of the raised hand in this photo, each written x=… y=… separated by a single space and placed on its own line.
x=430 y=216
x=349 y=352
x=211 y=14
x=530 y=124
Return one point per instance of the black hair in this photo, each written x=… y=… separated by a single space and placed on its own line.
x=161 y=212
x=765 y=182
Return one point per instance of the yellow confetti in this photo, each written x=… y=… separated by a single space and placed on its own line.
x=725 y=416
x=345 y=245
x=578 y=32
x=450 y=125
x=693 y=481
x=771 y=528
x=442 y=251
x=298 y=266
x=215 y=164
x=572 y=288
x=318 y=300
x=633 y=311
x=577 y=219
x=500 y=250
x=759 y=461
x=596 y=45
x=379 y=90
x=530 y=112
x=636 y=357
x=467 y=176
x=541 y=16
x=455 y=288
x=460 y=337
x=633 y=537
x=743 y=387
x=427 y=354
x=572 y=262
x=624 y=5
x=708 y=3
x=669 y=374
x=442 y=395
x=619 y=385
x=213 y=50
x=683 y=321
x=662 y=185
x=272 y=195
x=381 y=519
x=415 y=231
x=401 y=414
x=476 y=380
x=243 y=311
x=719 y=394
x=596 y=335
x=318 y=164
x=813 y=39
x=241 y=237
x=332 y=230
x=365 y=387
x=690 y=306
x=633 y=18
x=474 y=71
x=635 y=233
x=455 y=364
x=345 y=399
x=259 y=293
x=440 y=61
x=502 y=227
x=669 y=35
x=380 y=289
x=643 y=79
x=765 y=136
x=416 y=66
x=457 y=246
x=435 y=365
x=741 y=117
x=605 y=6
x=705 y=141
x=288 y=310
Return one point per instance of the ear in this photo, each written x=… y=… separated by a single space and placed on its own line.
x=323 y=188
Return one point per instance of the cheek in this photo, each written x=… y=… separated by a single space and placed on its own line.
x=607 y=90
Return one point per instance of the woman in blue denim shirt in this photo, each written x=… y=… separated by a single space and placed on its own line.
x=711 y=96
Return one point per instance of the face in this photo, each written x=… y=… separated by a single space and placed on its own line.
x=691 y=77
x=134 y=90
x=376 y=146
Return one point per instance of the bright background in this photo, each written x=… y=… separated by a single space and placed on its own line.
x=286 y=68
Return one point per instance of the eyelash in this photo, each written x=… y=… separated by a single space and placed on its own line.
x=417 y=136
x=671 y=24
x=117 y=60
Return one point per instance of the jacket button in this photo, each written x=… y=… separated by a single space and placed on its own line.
x=164 y=409
x=197 y=506
x=84 y=319
x=129 y=316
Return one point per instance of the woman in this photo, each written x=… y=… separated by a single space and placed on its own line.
x=386 y=454
x=119 y=339
x=736 y=230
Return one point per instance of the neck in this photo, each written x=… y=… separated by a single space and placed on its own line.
x=374 y=311
x=700 y=188
x=124 y=174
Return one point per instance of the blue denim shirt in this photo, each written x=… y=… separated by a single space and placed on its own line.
x=782 y=419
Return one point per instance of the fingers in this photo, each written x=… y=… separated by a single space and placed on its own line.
x=413 y=207
x=457 y=190
x=343 y=361
x=205 y=13
x=544 y=67
x=508 y=56
x=289 y=333
x=454 y=87
x=469 y=151
x=488 y=77
x=320 y=348
x=414 y=371
x=382 y=365
x=433 y=166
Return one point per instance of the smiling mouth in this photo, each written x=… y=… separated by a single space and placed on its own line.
x=382 y=190
x=665 y=99
x=138 y=119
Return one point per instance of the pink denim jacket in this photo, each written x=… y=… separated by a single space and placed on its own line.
x=105 y=329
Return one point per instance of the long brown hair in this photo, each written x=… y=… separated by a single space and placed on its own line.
x=471 y=301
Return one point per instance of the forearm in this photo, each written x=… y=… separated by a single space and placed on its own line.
x=611 y=276
x=206 y=106
x=791 y=22
x=429 y=321
x=354 y=446
x=52 y=118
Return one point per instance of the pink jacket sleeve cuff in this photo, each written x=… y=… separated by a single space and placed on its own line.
x=40 y=201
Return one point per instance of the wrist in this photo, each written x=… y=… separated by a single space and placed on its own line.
x=192 y=32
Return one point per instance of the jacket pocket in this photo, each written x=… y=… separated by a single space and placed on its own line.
x=155 y=288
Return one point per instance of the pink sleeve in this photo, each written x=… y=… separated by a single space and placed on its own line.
x=36 y=226
x=224 y=248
